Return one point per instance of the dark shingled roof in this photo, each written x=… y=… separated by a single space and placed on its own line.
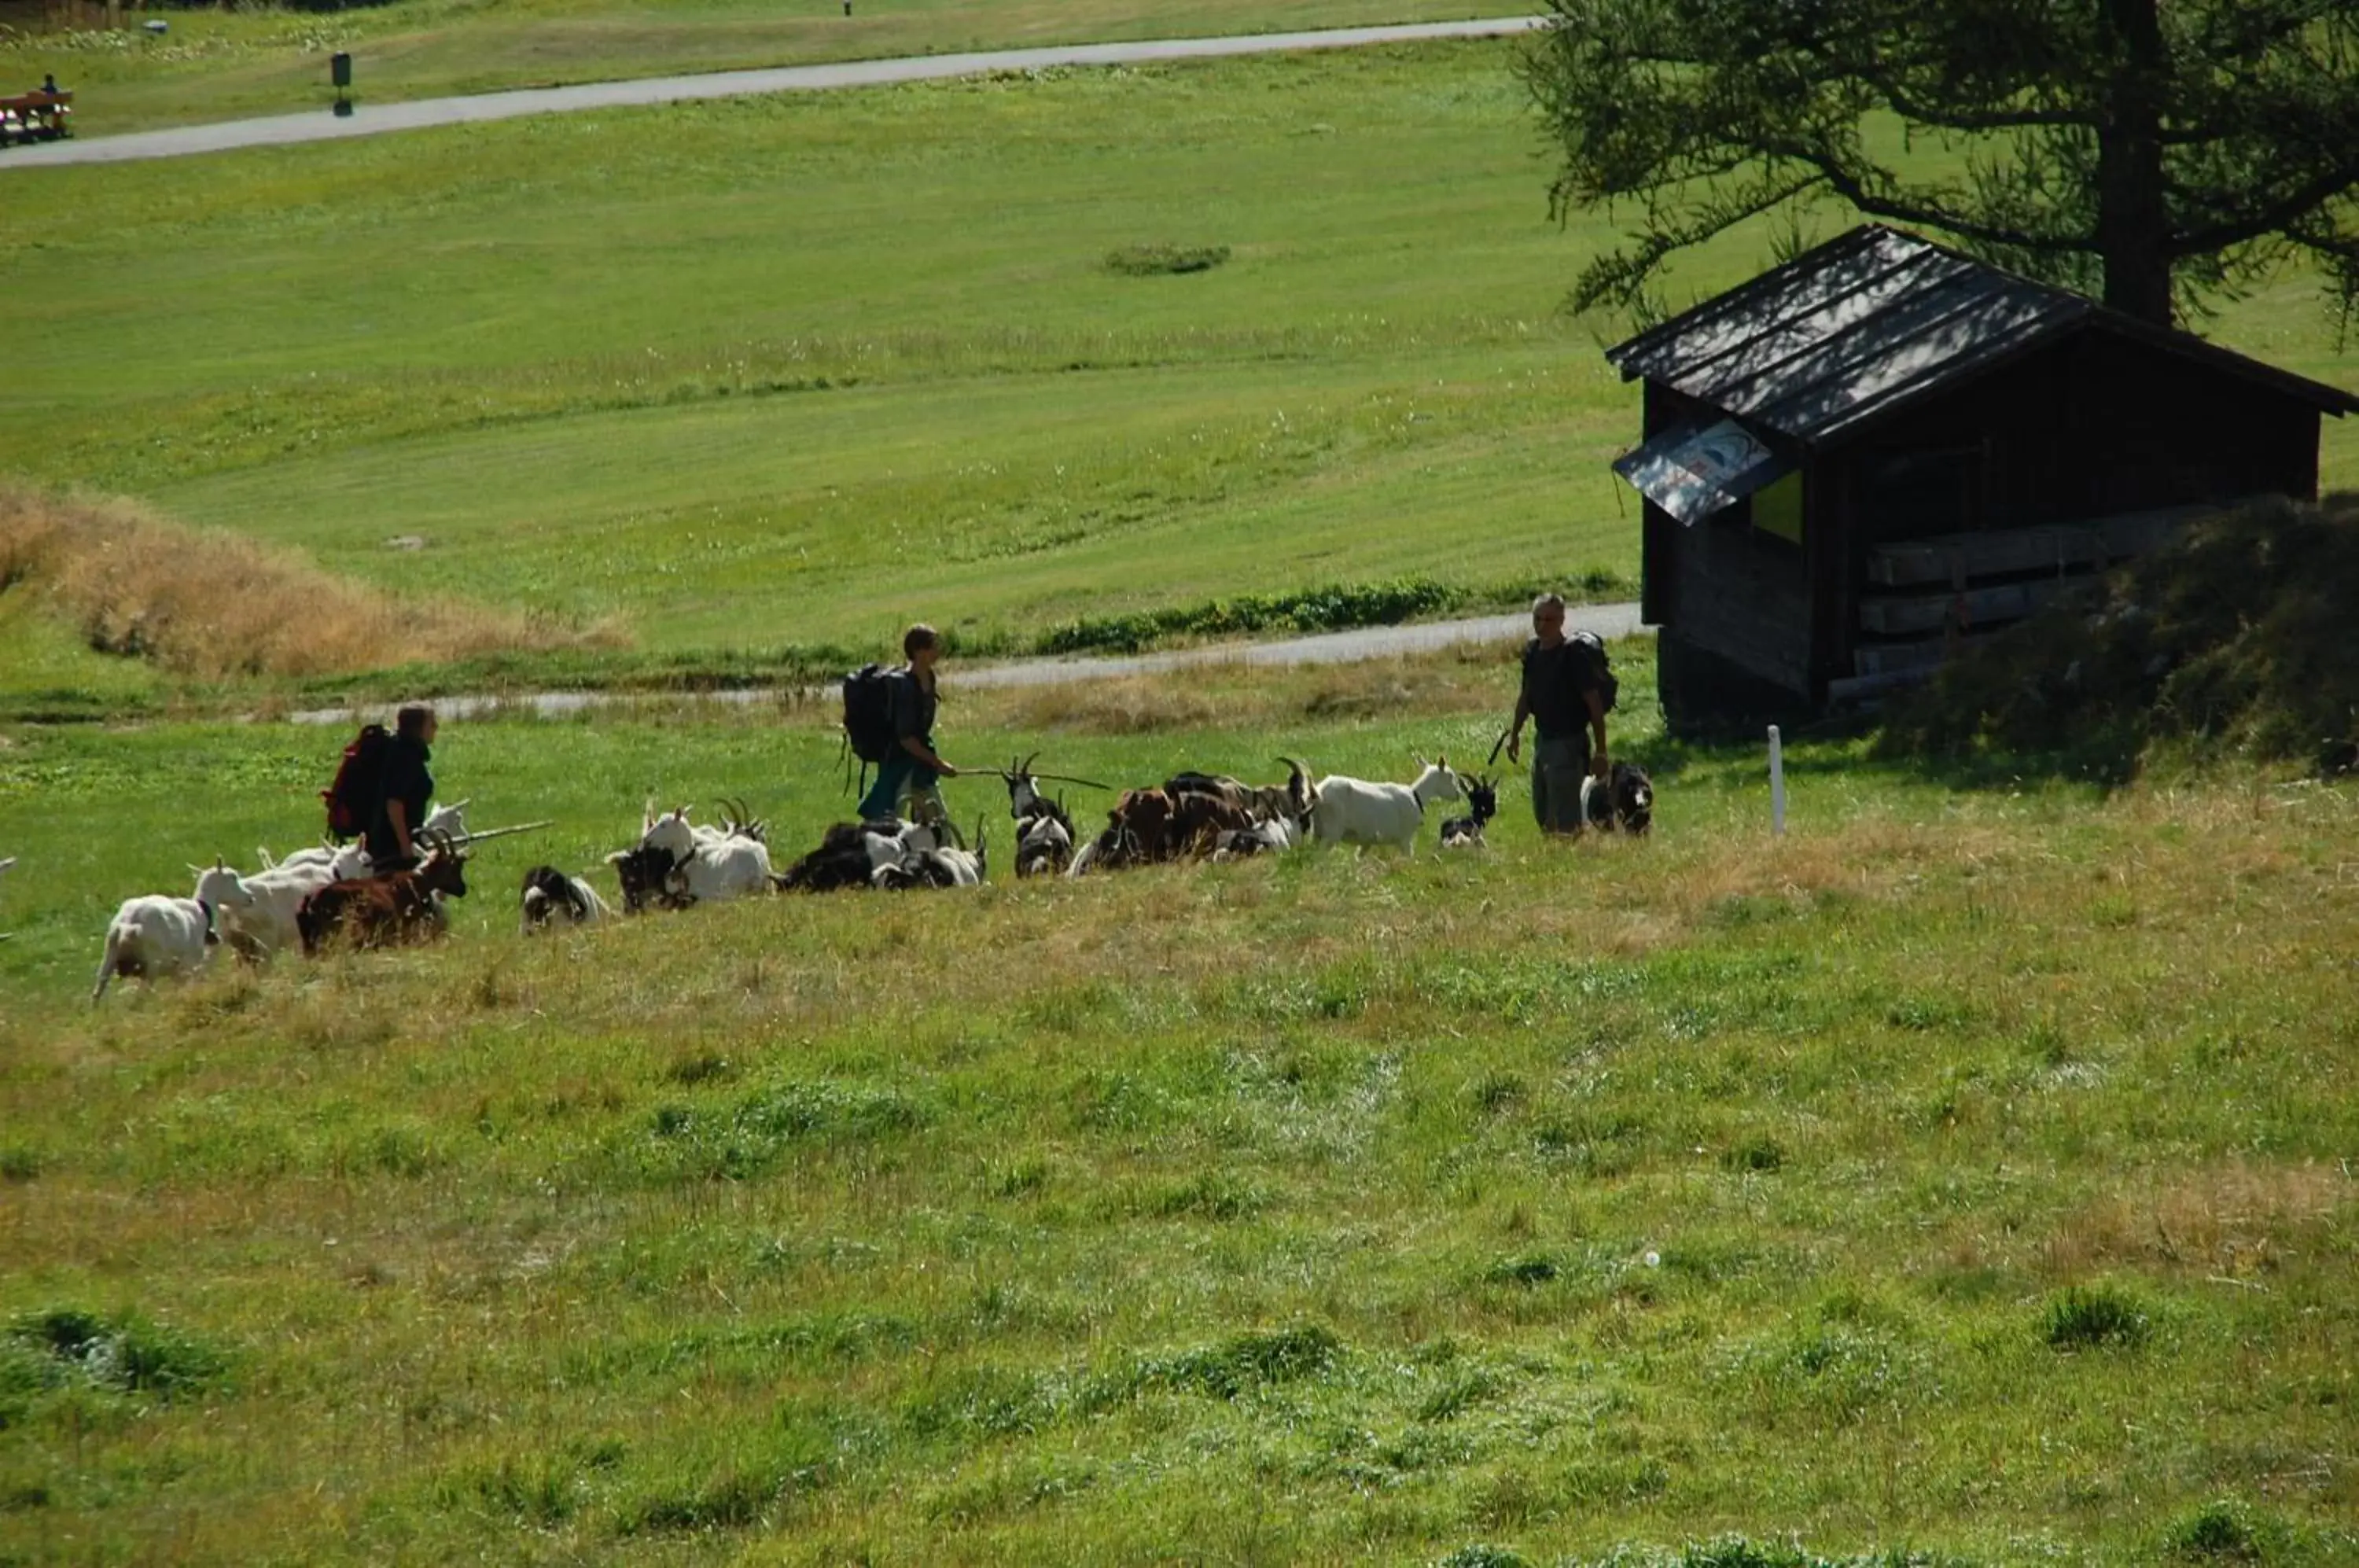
x=1876 y=319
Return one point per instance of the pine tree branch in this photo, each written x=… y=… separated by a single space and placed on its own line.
x=2273 y=218
x=1853 y=187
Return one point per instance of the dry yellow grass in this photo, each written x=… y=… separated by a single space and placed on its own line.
x=213 y=606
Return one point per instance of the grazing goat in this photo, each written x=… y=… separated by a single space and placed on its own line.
x=157 y=935
x=1623 y=801
x=389 y=910
x=1354 y=811
x=1481 y=805
x=549 y=893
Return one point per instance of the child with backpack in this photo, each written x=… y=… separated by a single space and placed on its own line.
x=889 y=718
x=1568 y=689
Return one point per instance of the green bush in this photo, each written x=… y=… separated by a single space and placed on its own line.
x=126 y=1354
x=1158 y=260
x=1307 y=610
x=2237 y=635
x=2217 y=1530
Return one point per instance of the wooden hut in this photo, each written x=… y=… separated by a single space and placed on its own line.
x=1882 y=448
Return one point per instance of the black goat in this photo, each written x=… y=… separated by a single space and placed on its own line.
x=645 y=873
x=841 y=860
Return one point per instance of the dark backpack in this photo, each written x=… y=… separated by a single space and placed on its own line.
x=868 y=711
x=359 y=787
x=1601 y=672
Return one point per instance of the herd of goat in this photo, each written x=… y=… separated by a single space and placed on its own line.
x=328 y=895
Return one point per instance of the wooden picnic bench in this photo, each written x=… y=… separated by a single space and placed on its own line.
x=35 y=116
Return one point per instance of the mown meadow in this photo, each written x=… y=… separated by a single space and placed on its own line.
x=1965 y=1173
x=788 y=371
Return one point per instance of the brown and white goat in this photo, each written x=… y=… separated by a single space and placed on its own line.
x=386 y=911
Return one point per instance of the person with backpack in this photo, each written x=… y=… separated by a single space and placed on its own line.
x=1568 y=689
x=404 y=788
x=908 y=764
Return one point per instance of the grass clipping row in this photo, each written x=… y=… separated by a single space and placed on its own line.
x=2238 y=635
x=217 y=606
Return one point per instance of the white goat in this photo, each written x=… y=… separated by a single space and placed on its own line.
x=710 y=866
x=157 y=935
x=1354 y=811
x=266 y=924
x=450 y=819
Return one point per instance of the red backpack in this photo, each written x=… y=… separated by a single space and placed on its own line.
x=353 y=799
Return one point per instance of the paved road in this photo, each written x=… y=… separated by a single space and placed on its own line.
x=370 y=119
x=1330 y=648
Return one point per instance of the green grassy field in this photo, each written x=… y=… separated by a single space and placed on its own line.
x=716 y=386
x=1966 y=1172
x=233 y=62
x=791 y=370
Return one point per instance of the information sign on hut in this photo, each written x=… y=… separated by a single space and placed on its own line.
x=1883 y=448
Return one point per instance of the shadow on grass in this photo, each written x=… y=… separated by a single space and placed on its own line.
x=1861 y=747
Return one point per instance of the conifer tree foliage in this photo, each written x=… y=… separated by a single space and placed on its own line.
x=2160 y=153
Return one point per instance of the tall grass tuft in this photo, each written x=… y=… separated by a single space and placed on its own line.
x=2082 y=1318
x=214 y=607
x=126 y=1354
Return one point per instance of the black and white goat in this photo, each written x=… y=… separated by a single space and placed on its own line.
x=549 y=895
x=1481 y=805
x=945 y=866
x=888 y=853
x=1623 y=801
x=1044 y=834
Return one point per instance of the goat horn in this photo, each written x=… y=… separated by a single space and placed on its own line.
x=1028 y=761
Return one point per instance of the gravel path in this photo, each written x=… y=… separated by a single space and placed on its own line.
x=375 y=119
x=1607 y=621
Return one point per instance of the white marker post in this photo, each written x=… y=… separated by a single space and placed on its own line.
x=1777 y=785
